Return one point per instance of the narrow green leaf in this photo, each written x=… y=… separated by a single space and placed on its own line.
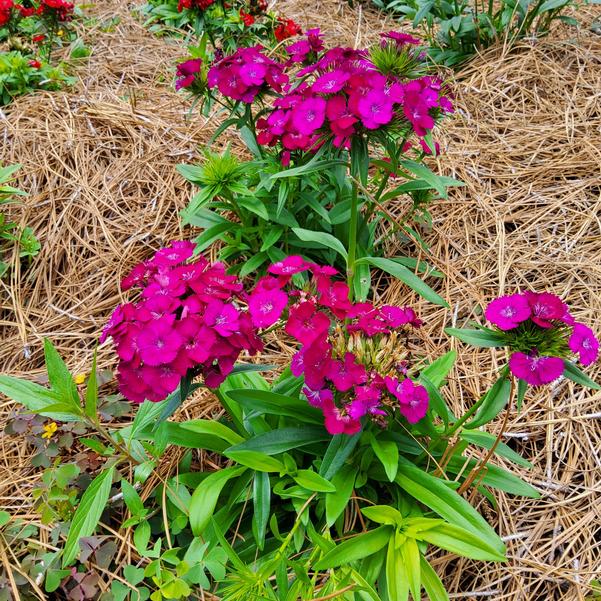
x=388 y=454
x=87 y=515
x=574 y=373
x=432 y=583
x=214 y=428
x=338 y=451
x=408 y=277
x=461 y=541
x=358 y=547
x=132 y=499
x=336 y=502
x=438 y=370
x=383 y=514
x=483 y=338
x=204 y=499
x=283 y=439
x=444 y=501
x=312 y=481
x=486 y=440
x=495 y=400
x=322 y=238
x=256 y=461
x=411 y=558
x=261 y=506
x=397 y=580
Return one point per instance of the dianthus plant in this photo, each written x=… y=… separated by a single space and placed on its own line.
x=337 y=110
x=353 y=357
x=541 y=336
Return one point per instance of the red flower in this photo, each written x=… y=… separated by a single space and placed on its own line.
x=35 y=64
x=36 y=39
x=247 y=19
x=286 y=28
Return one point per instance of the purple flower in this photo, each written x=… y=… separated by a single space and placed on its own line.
x=507 y=312
x=330 y=83
x=413 y=398
x=266 y=306
x=545 y=307
x=345 y=374
x=318 y=397
x=375 y=109
x=158 y=342
x=337 y=421
x=584 y=342
x=309 y=115
x=222 y=317
x=366 y=401
x=535 y=369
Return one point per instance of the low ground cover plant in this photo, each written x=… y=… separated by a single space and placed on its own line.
x=338 y=476
x=30 y=34
x=226 y=25
x=332 y=131
x=457 y=30
x=13 y=238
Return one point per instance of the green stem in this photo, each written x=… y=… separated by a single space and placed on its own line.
x=352 y=239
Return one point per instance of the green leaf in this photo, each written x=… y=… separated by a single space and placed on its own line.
x=432 y=583
x=271 y=237
x=437 y=402
x=388 y=454
x=336 y=502
x=397 y=579
x=322 y=238
x=494 y=402
x=438 y=370
x=313 y=165
x=311 y=481
x=552 y=5
x=358 y=547
x=261 y=507
x=522 y=387
x=132 y=499
x=283 y=439
x=338 y=451
x=34 y=397
x=460 y=541
x=60 y=378
x=92 y=391
x=273 y=403
x=87 y=514
x=256 y=461
x=487 y=440
x=204 y=499
x=408 y=277
x=436 y=495
x=383 y=514
x=213 y=428
x=483 y=338
x=574 y=373
x=411 y=558
x=437 y=182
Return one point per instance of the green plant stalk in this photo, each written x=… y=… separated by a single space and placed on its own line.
x=352 y=239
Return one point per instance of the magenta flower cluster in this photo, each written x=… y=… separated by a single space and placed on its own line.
x=339 y=340
x=245 y=73
x=187 y=317
x=541 y=332
x=342 y=93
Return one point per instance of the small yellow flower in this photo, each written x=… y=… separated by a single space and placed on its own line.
x=60 y=33
x=49 y=430
x=80 y=379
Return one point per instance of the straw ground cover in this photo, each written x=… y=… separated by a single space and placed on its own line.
x=99 y=164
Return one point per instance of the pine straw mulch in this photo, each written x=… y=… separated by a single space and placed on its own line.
x=98 y=162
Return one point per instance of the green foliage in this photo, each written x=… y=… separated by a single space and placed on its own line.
x=457 y=30
x=11 y=235
x=261 y=212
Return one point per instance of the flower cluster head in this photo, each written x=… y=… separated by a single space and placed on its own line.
x=351 y=354
x=244 y=74
x=61 y=9
x=541 y=333
x=201 y=5
x=341 y=92
x=285 y=29
x=188 y=317
x=6 y=7
x=187 y=74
